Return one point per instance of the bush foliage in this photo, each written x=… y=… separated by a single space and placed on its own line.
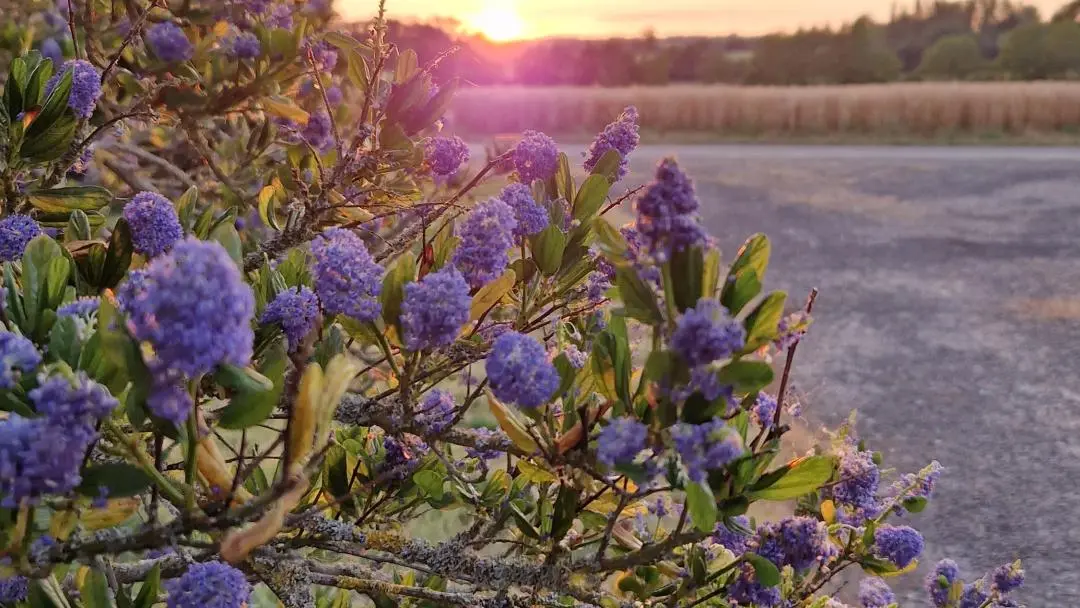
x=252 y=298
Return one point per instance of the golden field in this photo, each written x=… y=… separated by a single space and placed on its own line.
x=702 y=112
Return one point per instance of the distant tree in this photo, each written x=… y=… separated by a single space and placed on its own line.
x=954 y=57
x=864 y=55
x=1039 y=51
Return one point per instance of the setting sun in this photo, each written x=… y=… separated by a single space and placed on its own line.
x=499 y=22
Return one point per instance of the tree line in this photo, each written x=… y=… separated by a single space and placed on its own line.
x=942 y=40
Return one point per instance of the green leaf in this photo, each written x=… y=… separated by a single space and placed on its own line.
x=687 y=270
x=710 y=275
x=753 y=254
x=702 y=505
x=18 y=74
x=564 y=179
x=746 y=376
x=406 y=66
x=150 y=588
x=610 y=241
x=185 y=206
x=768 y=575
x=342 y=41
x=762 y=326
x=34 y=91
x=608 y=165
x=37 y=258
x=46 y=593
x=229 y=238
x=802 y=478
x=65 y=200
x=242 y=379
x=639 y=300
x=915 y=504
x=547 y=249
x=52 y=143
x=590 y=197
x=747 y=273
x=121 y=480
x=64 y=341
x=562 y=519
x=78 y=227
x=118 y=257
x=431 y=483
x=55 y=106
x=252 y=407
x=393 y=289
x=94 y=590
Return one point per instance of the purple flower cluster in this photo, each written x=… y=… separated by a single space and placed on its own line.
x=16 y=231
x=296 y=310
x=898 y=544
x=734 y=540
x=1006 y=578
x=621 y=441
x=434 y=309
x=600 y=280
x=799 y=542
x=155 y=227
x=347 y=280
x=169 y=43
x=575 y=356
x=706 y=333
x=535 y=157
x=14 y=589
x=486 y=235
x=169 y=398
x=763 y=412
x=319 y=131
x=193 y=307
x=531 y=217
x=445 y=155
x=519 y=371
x=73 y=403
x=40 y=456
x=436 y=411
x=875 y=593
x=856 y=491
x=914 y=485
x=667 y=213
x=17 y=354
x=402 y=456
x=85 y=86
x=938 y=582
x=704 y=447
x=490 y=444
x=745 y=590
x=209 y=585
x=325 y=55
x=621 y=135
x=993 y=587
x=280 y=17
x=243 y=45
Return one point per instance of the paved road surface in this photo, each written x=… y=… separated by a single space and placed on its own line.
x=949 y=316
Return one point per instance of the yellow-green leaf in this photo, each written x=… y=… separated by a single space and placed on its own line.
x=491 y=293
x=512 y=425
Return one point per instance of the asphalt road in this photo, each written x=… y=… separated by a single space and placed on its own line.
x=949 y=317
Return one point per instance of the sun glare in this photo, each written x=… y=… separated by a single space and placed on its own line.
x=499 y=22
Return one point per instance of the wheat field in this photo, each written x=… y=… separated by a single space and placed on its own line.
x=921 y=109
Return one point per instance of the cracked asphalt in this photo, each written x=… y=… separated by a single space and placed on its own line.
x=949 y=317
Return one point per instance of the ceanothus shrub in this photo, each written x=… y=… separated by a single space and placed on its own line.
x=258 y=319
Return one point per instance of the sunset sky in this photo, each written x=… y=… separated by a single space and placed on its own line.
x=601 y=18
